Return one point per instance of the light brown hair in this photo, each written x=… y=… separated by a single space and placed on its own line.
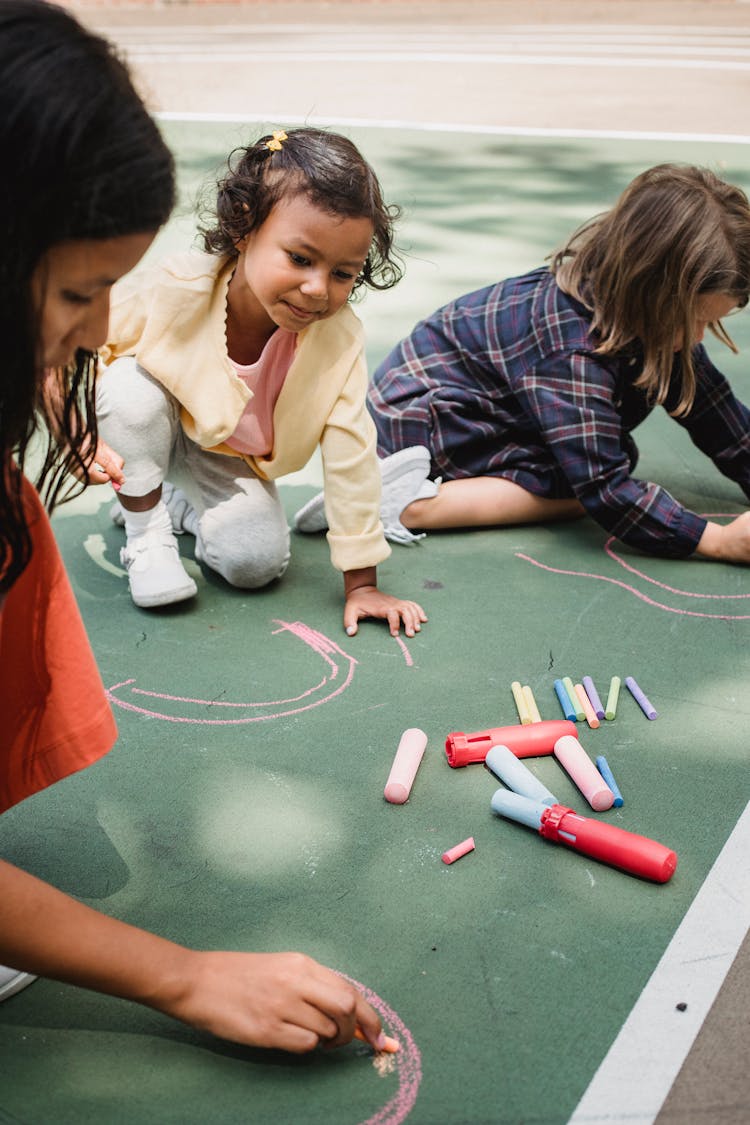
x=676 y=233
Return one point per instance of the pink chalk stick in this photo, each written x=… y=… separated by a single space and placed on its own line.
x=405 y=766
x=576 y=762
x=463 y=848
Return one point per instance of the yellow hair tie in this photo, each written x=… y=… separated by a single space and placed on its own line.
x=275 y=144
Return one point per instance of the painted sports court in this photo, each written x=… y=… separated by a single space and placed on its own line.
x=242 y=806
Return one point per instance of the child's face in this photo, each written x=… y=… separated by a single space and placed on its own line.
x=709 y=308
x=71 y=288
x=298 y=267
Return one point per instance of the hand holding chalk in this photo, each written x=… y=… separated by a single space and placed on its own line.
x=106 y=467
x=405 y=766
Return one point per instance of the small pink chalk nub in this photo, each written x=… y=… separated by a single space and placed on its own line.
x=405 y=766
x=463 y=848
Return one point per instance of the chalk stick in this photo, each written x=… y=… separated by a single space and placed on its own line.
x=576 y=762
x=565 y=701
x=614 y=693
x=516 y=807
x=573 y=696
x=524 y=714
x=588 y=710
x=405 y=766
x=593 y=695
x=531 y=704
x=390 y=1046
x=603 y=766
x=643 y=702
x=518 y=777
x=463 y=848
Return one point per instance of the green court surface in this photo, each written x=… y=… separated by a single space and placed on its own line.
x=242 y=807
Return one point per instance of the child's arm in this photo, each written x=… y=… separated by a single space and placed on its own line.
x=364 y=599
x=281 y=1000
x=718 y=422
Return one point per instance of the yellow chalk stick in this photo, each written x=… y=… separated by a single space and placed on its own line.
x=531 y=704
x=521 y=706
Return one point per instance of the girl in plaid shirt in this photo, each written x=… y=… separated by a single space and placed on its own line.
x=526 y=393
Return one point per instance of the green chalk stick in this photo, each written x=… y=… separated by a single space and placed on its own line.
x=614 y=693
x=573 y=696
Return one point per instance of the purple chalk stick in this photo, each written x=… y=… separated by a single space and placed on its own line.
x=593 y=695
x=643 y=702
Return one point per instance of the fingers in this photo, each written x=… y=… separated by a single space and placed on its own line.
x=107 y=466
x=393 y=610
x=412 y=615
x=368 y=1021
x=351 y=617
x=334 y=1009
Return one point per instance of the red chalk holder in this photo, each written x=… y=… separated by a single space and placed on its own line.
x=529 y=741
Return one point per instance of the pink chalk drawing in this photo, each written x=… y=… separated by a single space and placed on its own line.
x=322 y=692
x=408 y=1062
x=407 y=655
x=612 y=553
x=338 y=676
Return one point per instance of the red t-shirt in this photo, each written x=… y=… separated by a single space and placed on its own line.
x=54 y=714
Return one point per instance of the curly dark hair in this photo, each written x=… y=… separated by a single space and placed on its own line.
x=325 y=167
x=83 y=160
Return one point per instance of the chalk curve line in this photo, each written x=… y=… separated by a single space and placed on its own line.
x=408 y=1062
x=331 y=653
x=610 y=551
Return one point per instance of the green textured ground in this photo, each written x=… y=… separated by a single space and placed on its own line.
x=262 y=825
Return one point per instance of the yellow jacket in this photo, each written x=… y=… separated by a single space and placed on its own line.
x=172 y=318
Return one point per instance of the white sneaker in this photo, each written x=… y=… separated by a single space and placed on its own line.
x=181 y=511
x=404 y=479
x=11 y=981
x=155 y=572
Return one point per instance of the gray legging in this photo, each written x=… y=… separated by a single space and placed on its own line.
x=242 y=528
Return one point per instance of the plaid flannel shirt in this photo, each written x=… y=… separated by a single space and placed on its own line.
x=504 y=382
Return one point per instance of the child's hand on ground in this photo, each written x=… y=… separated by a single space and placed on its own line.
x=281 y=1000
x=369 y=601
x=729 y=542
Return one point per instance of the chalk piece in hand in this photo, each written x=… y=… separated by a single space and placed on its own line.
x=405 y=766
x=388 y=1045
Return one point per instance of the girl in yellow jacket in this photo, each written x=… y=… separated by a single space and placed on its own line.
x=225 y=369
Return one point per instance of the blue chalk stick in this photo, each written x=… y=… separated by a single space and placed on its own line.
x=565 y=701
x=603 y=767
x=516 y=807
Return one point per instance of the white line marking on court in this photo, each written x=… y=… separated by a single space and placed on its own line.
x=451 y=127
x=637 y=1073
x=601 y=61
